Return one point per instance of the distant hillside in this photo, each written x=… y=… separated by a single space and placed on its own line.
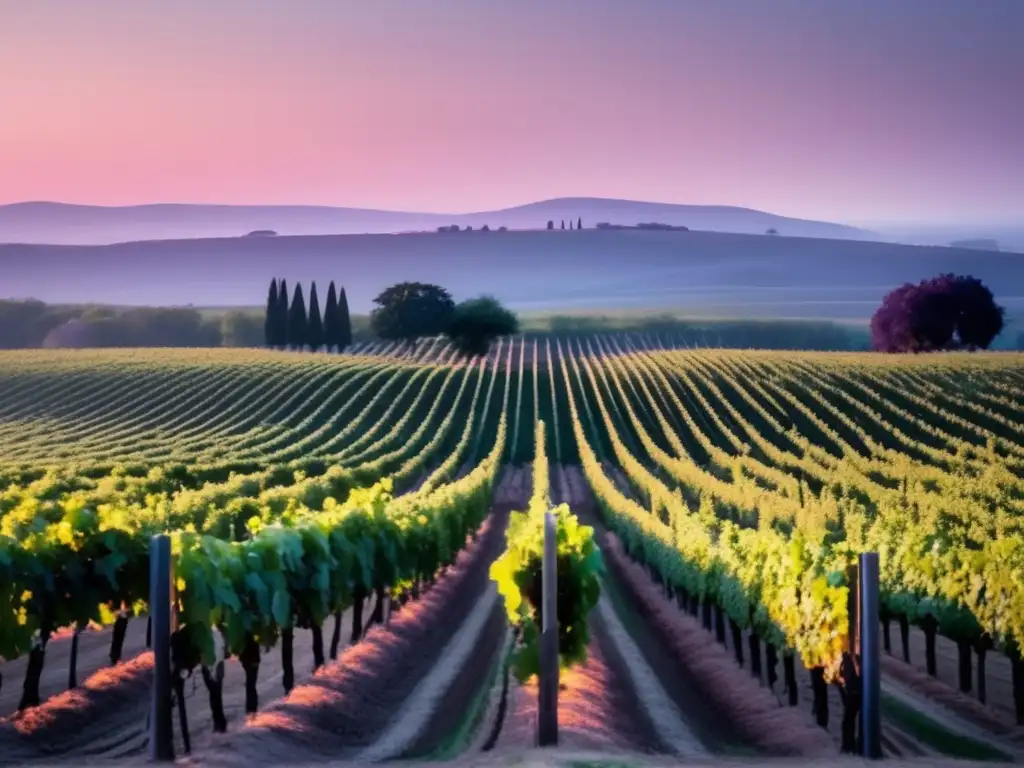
x=1004 y=237
x=978 y=244
x=697 y=273
x=62 y=224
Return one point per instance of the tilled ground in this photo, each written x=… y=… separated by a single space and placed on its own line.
x=597 y=710
x=93 y=655
x=450 y=712
x=106 y=715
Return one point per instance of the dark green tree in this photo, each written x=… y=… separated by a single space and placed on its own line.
x=407 y=311
x=315 y=324
x=563 y=223
x=579 y=223
x=344 y=322
x=478 y=322
x=298 y=322
x=270 y=335
x=551 y=224
x=331 y=337
x=282 y=313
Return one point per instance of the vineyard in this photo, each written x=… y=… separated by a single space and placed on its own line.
x=338 y=528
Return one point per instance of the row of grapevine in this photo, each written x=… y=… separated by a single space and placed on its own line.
x=934 y=571
x=518 y=573
x=196 y=488
x=234 y=421
x=70 y=560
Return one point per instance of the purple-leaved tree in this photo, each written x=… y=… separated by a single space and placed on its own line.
x=944 y=312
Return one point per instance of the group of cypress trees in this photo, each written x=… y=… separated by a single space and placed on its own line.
x=293 y=326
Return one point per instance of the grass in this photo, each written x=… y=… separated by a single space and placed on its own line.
x=933 y=735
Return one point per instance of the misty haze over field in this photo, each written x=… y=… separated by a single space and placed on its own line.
x=701 y=272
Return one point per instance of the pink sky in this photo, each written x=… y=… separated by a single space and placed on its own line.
x=861 y=112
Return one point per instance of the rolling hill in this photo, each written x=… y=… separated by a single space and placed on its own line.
x=64 y=224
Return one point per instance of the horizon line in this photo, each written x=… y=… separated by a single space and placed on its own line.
x=329 y=206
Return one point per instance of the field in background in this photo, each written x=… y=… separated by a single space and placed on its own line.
x=706 y=330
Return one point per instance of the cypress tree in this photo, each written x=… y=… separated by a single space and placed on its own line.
x=315 y=326
x=331 y=338
x=579 y=223
x=563 y=223
x=270 y=335
x=344 y=321
x=298 y=322
x=282 y=313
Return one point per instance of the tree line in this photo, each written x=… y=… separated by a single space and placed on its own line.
x=579 y=223
x=30 y=323
x=293 y=326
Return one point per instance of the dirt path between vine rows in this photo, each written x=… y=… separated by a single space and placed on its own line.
x=614 y=702
x=93 y=655
x=731 y=711
x=439 y=702
x=106 y=716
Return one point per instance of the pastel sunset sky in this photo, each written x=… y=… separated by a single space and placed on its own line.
x=871 y=111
